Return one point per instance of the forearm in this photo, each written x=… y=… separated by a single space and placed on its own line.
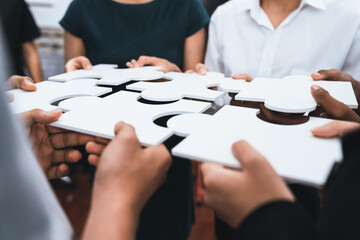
x=356 y=86
x=111 y=217
x=277 y=220
x=32 y=61
x=194 y=50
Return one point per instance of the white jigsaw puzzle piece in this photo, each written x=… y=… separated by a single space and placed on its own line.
x=110 y=75
x=292 y=150
x=98 y=116
x=292 y=94
x=183 y=85
x=49 y=92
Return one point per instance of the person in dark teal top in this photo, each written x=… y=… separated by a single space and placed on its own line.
x=115 y=32
x=107 y=31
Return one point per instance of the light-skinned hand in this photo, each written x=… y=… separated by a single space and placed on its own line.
x=78 y=63
x=165 y=65
x=52 y=145
x=335 y=129
x=20 y=82
x=242 y=76
x=235 y=194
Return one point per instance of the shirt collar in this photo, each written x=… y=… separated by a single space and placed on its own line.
x=244 y=5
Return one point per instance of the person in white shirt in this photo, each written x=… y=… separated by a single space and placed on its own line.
x=277 y=38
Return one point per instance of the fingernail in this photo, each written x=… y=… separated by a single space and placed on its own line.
x=28 y=82
x=315 y=88
x=202 y=71
x=88 y=67
x=317 y=74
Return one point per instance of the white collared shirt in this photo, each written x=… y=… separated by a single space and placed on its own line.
x=320 y=34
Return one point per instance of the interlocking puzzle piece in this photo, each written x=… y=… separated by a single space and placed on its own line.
x=292 y=150
x=110 y=75
x=98 y=116
x=293 y=94
x=49 y=92
x=181 y=85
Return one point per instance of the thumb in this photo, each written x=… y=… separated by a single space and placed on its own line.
x=39 y=116
x=322 y=97
x=248 y=157
x=85 y=63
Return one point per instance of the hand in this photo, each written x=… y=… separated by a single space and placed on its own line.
x=24 y=83
x=336 y=75
x=235 y=194
x=243 y=76
x=77 y=63
x=165 y=65
x=200 y=68
x=335 y=129
x=95 y=149
x=333 y=108
x=129 y=171
x=51 y=145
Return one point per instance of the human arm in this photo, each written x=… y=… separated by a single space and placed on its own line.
x=32 y=60
x=74 y=46
x=126 y=177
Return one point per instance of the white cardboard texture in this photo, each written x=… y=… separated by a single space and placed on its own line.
x=110 y=75
x=292 y=150
x=98 y=116
x=48 y=92
x=293 y=94
x=181 y=85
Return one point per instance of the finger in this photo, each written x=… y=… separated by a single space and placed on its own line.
x=55 y=130
x=24 y=83
x=102 y=140
x=135 y=63
x=69 y=139
x=68 y=155
x=330 y=75
x=85 y=63
x=39 y=116
x=125 y=133
x=243 y=76
x=190 y=71
x=146 y=60
x=58 y=171
x=94 y=148
x=248 y=157
x=333 y=107
x=201 y=69
x=335 y=129
x=94 y=160
x=129 y=65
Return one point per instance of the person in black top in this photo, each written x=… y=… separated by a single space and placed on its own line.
x=21 y=31
x=258 y=204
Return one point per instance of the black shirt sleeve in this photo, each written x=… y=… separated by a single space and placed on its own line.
x=340 y=218
x=73 y=21
x=280 y=220
x=29 y=31
x=198 y=17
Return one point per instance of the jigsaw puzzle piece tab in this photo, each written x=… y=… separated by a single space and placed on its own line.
x=292 y=150
x=182 y=85
x=110 y=75
x=293 y=94
x=49 y=92
x=98 y=116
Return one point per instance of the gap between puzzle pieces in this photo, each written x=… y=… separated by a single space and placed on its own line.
x=110 y=75
x=98 y=116
x=293 y=94
x=184 y=85
x=49 y=92
x=292 y=150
